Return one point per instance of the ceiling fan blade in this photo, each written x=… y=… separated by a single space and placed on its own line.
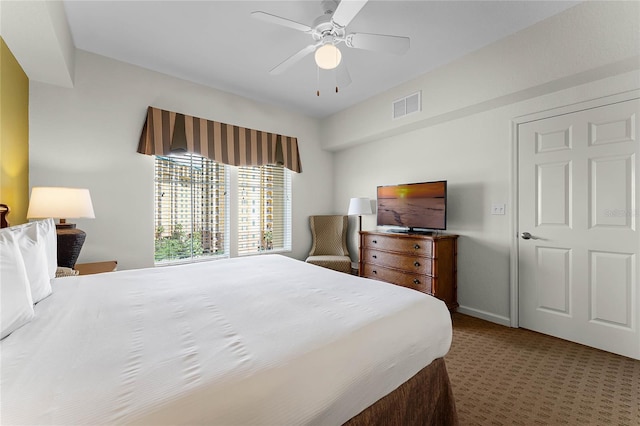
x=278 y=69
x=346 y=11
x=267 y=17
x=379 y=42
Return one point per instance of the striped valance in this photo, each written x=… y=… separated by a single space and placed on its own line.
x=165 y=132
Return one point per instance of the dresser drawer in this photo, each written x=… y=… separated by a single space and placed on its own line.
x=415 y=246
x=414 y=281
x=409 y=263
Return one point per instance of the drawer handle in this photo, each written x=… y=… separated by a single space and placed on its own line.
x=416 y=281
x=417 y=246
x=416 y=263
x=374 y=241
x=375 y=256
x=374 y=271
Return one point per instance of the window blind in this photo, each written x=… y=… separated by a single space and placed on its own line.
x=264 y=209
x=191 y=205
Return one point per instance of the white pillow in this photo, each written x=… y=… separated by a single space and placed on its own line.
x=35 y=240
x=47 y=230
x=34 y=256
x=16 y=305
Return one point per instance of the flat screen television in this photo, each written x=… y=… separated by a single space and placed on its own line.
x=416 y=207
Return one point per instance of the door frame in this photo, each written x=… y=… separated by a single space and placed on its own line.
x=514 y=183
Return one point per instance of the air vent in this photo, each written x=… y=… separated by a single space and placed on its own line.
x=407 y=105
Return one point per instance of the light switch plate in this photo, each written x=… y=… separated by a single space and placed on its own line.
x=498 y=209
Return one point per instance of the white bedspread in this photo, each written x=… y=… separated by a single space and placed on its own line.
x=261 y=340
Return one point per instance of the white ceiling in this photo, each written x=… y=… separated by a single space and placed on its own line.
x=218 y=43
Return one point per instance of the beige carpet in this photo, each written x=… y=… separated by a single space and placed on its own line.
x=507 y=376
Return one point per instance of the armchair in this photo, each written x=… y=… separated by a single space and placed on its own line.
x=329 y=248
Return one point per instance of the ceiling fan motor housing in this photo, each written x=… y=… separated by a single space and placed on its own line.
x=324 y=29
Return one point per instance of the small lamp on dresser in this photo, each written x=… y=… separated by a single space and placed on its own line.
x=359 y=206
x=63 y=203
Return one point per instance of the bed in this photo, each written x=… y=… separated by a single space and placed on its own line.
x=254 y=340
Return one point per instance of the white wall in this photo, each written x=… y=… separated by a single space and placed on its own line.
x=38 y=34
x=584 y=43
x=87 y=136
x=464 y=133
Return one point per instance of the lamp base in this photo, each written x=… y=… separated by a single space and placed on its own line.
x=70 y=241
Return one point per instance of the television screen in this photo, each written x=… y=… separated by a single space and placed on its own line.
x=414 y=205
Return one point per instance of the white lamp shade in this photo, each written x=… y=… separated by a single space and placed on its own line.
x=328 y=57
x=360 y=205
x=60 y=203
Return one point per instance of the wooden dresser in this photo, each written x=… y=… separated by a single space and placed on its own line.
x=425 y=263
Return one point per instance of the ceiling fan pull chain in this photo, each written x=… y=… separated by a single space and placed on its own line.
x=335 y=70
x=317 y=81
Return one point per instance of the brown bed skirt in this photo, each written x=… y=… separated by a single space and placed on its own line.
x=424 y=399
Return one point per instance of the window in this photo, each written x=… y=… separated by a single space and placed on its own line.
x=190 y=208
x=268 y=189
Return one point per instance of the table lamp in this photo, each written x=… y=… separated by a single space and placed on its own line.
x=63 y=204
x=359 y=206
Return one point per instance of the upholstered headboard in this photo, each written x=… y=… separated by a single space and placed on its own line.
x=4 y=211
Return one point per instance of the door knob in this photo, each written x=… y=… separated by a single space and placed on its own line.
x=526 y=236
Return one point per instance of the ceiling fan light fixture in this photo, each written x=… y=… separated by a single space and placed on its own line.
x=328 y=57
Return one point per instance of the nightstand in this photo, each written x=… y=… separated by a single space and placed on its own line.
x=96 y=267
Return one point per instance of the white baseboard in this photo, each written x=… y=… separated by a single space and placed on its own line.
x=488 y=316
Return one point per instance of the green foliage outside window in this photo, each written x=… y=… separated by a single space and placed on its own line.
x=177 y=245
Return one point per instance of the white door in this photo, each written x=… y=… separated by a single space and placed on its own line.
x=578 y=188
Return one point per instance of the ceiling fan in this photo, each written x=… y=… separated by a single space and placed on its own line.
x=329 y=30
